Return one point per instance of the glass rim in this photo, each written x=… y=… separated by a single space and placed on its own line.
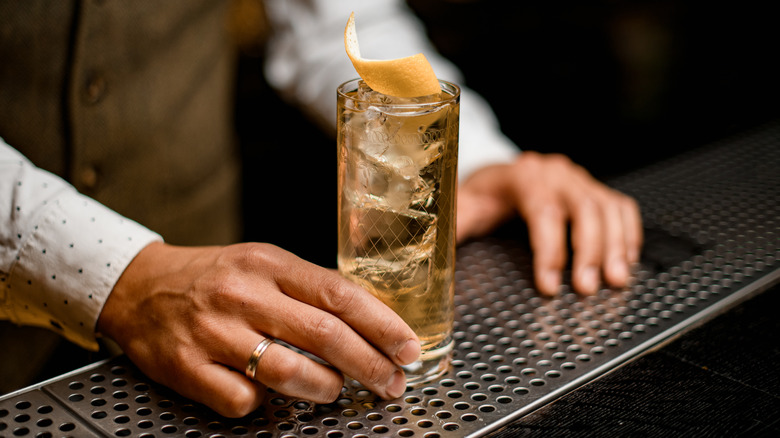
x=451 y=90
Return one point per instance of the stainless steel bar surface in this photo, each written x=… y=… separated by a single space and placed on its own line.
x=713 y=239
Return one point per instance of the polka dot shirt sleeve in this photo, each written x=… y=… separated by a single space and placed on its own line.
x=60 y=252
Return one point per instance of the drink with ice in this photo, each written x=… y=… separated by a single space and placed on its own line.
x=397 y=190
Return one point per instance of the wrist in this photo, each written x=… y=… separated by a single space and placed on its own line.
x=119 y=304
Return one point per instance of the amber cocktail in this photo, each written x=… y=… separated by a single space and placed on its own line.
x=397 y=185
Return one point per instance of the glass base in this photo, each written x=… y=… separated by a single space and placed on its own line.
x=432 y=365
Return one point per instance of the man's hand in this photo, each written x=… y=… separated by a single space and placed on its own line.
x=190 y=318
x=552 y=193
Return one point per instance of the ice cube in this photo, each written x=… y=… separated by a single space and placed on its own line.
x=399 y=192
x=374 y=151
x=404 y=166
x=381 y=182
x=382 y=233
x=372 y=179
x=394 y=250
x=365 y=93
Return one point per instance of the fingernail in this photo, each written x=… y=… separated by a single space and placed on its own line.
x=589 y=279
x=549 y=281
x=396 y=385
x=409 y=352
x=619 y=270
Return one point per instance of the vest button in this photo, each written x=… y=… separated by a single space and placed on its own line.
x=95 y=88
x=89 y=177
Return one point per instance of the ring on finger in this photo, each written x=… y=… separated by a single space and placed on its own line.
x=251 y=366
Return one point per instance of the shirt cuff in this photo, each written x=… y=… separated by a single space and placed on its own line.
x=68 y=265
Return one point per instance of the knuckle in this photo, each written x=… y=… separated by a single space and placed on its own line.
x=286 y=369
x=527 y=163
x=239 y=404
x=375 y=373
x=290 y=375
x=559 y=159
x=331 y=393
x=253 y=254
x=325 y=328
x=218 y=288
x=394 y=328
x=559 y=163
x=222 y=284
x=549 y=210
x=339 y=296
x=630 y=203
x=389 y=329
x=586 y=202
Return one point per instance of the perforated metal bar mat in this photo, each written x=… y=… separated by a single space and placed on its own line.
x=713 y=239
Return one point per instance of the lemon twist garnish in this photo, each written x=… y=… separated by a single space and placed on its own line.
x=411 y=76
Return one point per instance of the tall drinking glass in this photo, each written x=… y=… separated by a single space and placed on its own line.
x=397 y=182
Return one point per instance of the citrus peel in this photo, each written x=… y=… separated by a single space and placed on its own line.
x=411 y=76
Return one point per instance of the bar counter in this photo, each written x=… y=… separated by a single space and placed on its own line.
x=688 y=348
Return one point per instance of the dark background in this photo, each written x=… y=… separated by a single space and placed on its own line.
x=615 y=85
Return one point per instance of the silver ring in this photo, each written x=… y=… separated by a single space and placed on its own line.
x=251 y=366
